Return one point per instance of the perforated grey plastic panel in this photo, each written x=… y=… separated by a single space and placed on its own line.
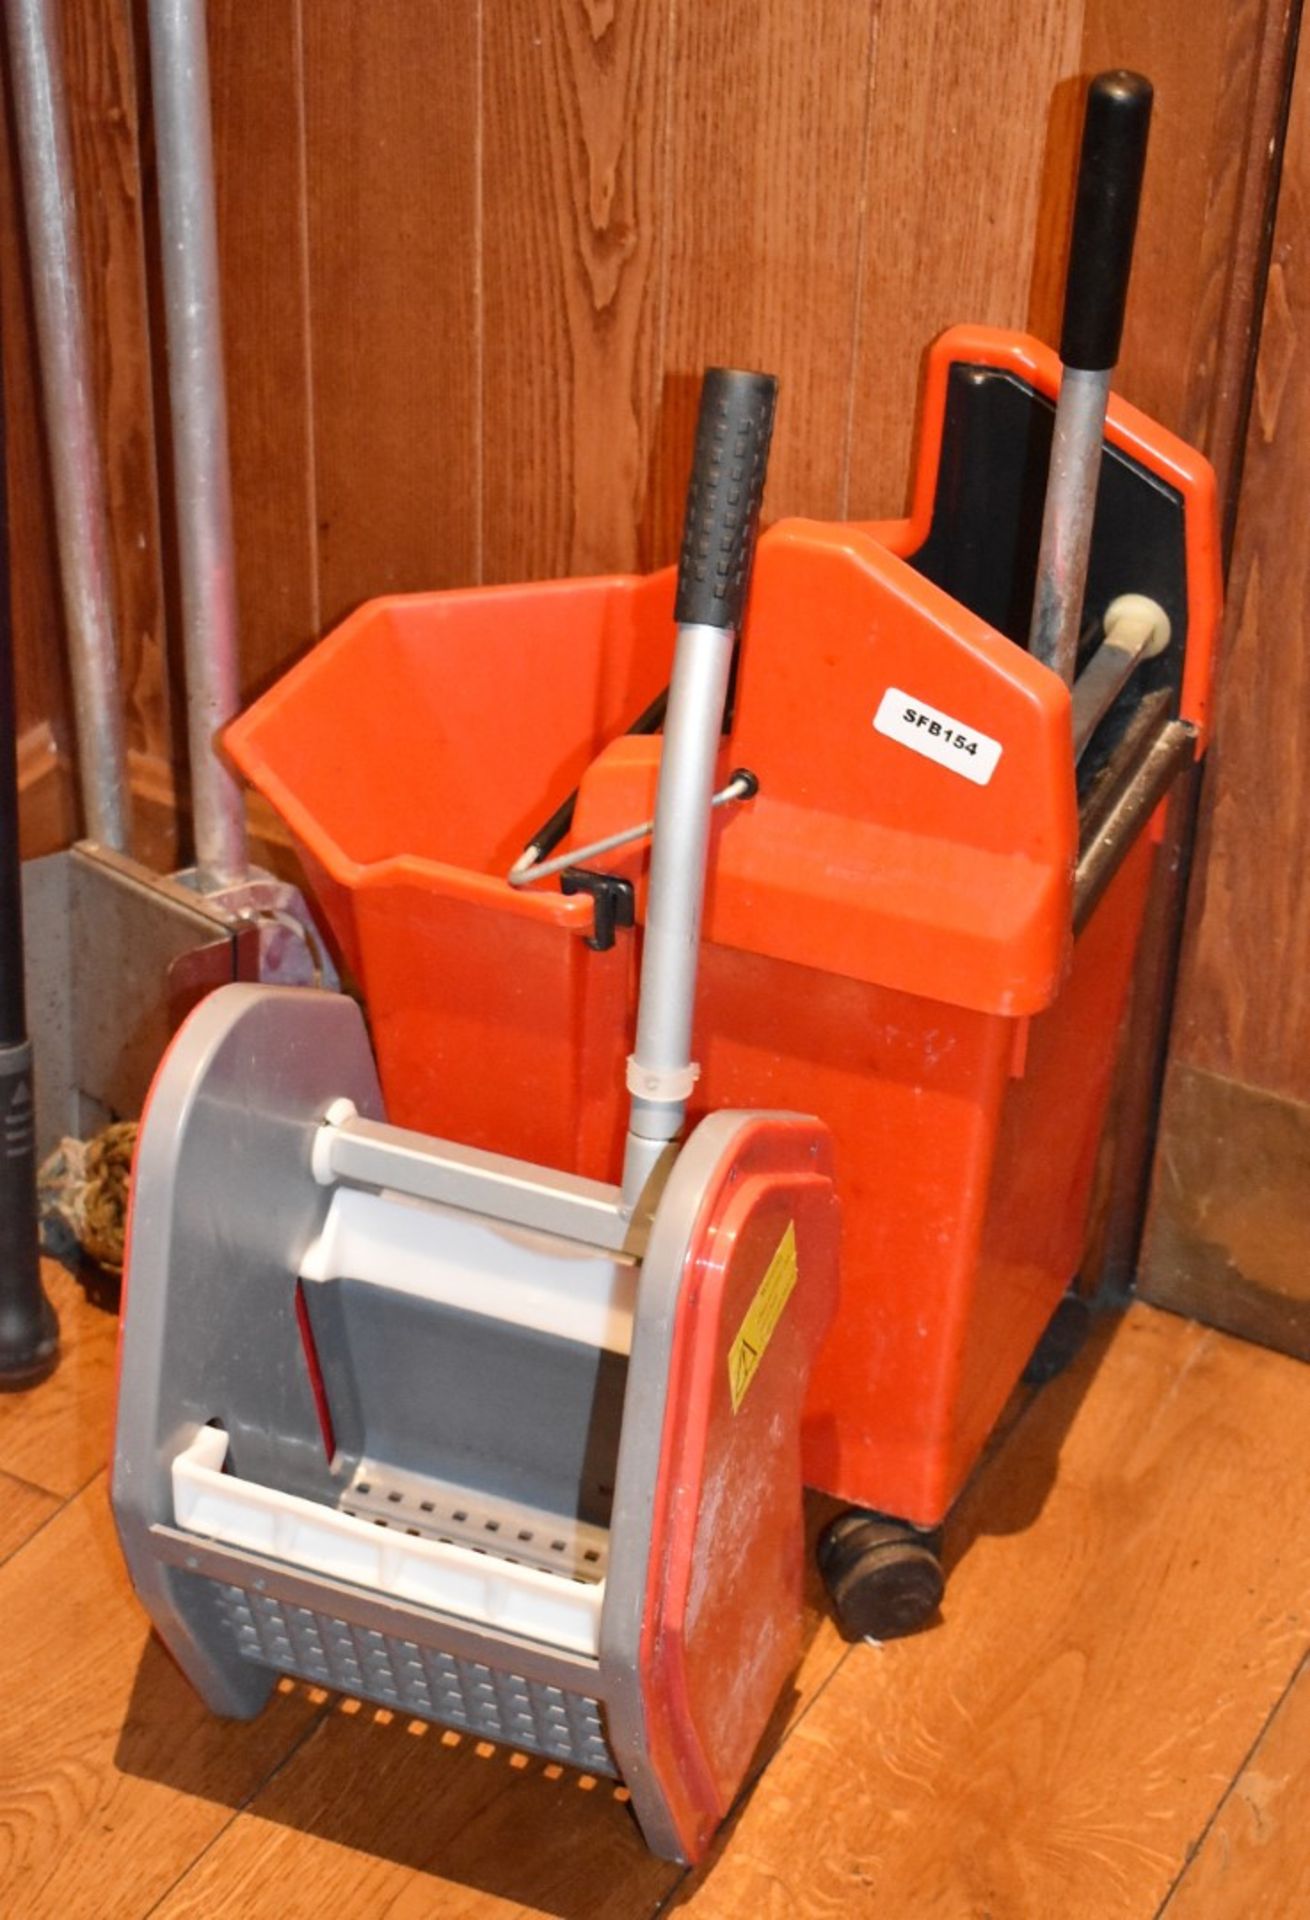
x=491 y=1702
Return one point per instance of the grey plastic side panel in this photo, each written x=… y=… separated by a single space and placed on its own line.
x=223 y=1204
x=502 y=1410
x=697 y=1168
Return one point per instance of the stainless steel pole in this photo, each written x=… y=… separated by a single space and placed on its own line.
x=1110 y=169
x=179 y=64
x=1067 y=518
x=723 y=505
x=81 y=522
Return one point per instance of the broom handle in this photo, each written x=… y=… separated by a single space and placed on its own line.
x=718 y=545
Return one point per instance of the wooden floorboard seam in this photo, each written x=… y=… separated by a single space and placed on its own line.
x=1230 y=1787
x=34 y=1486
x=666 y=1902
x=63 y=1500
x=266 y=1780
x=40 y=1527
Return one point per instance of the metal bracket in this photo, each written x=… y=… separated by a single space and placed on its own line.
x=118 y=954
x=1150 y=778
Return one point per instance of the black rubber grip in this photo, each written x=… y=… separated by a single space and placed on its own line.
x=724 y=495
x=1110 y=171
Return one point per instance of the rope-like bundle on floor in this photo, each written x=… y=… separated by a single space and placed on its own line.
x=83 y=1187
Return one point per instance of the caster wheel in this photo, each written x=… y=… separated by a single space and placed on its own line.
x=884 y=1577
x=1062 y=1341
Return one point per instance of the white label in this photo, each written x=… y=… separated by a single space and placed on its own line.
x=929 y=731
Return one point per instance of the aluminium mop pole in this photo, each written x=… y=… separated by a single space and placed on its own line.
x=1110 y=168
x=29 y=1332
x=81 y=517
x=718 y=544
x=179 y=69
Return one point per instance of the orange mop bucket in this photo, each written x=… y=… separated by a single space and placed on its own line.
x=890 y=924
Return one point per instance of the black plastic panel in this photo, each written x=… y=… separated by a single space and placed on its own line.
x=986 y=527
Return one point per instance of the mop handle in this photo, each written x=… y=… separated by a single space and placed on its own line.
x=1110 y=168
x=718 y=546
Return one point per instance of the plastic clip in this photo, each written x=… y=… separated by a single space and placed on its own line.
x=613 y=899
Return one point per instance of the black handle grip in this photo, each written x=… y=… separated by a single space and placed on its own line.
x=724 y=495
x=29 y=1332
x=1110 y=169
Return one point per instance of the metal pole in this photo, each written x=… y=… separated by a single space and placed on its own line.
x=723 y=504
x=1110 y=166
x=661 y=1075
x=179 y=60
x=81 y=526
x=1169 y=754
x=1067 y=518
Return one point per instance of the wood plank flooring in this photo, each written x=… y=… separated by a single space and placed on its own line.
x=1113 y=1717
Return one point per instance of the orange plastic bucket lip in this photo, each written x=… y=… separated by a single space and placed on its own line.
x=404 y=869
x=243 y=741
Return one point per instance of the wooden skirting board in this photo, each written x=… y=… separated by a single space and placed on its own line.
x=45 y=793
x=159 y=811
x=161 y=814
x=1229 y=1226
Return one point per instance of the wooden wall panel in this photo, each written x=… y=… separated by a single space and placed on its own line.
x=1245 y=1006
x=259 y=159
x=391 y=137
x=100 y=62
x=1218 y=73
x=574 y=170
x=961 y=117
x=475 y=256
x=34 y=587
x=1230 y=1217
x=765 y=224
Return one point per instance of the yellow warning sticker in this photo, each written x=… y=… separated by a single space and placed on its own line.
x=762 y=1317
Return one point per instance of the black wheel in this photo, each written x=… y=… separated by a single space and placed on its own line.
x=1062 y=1342
x=883 y=1576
